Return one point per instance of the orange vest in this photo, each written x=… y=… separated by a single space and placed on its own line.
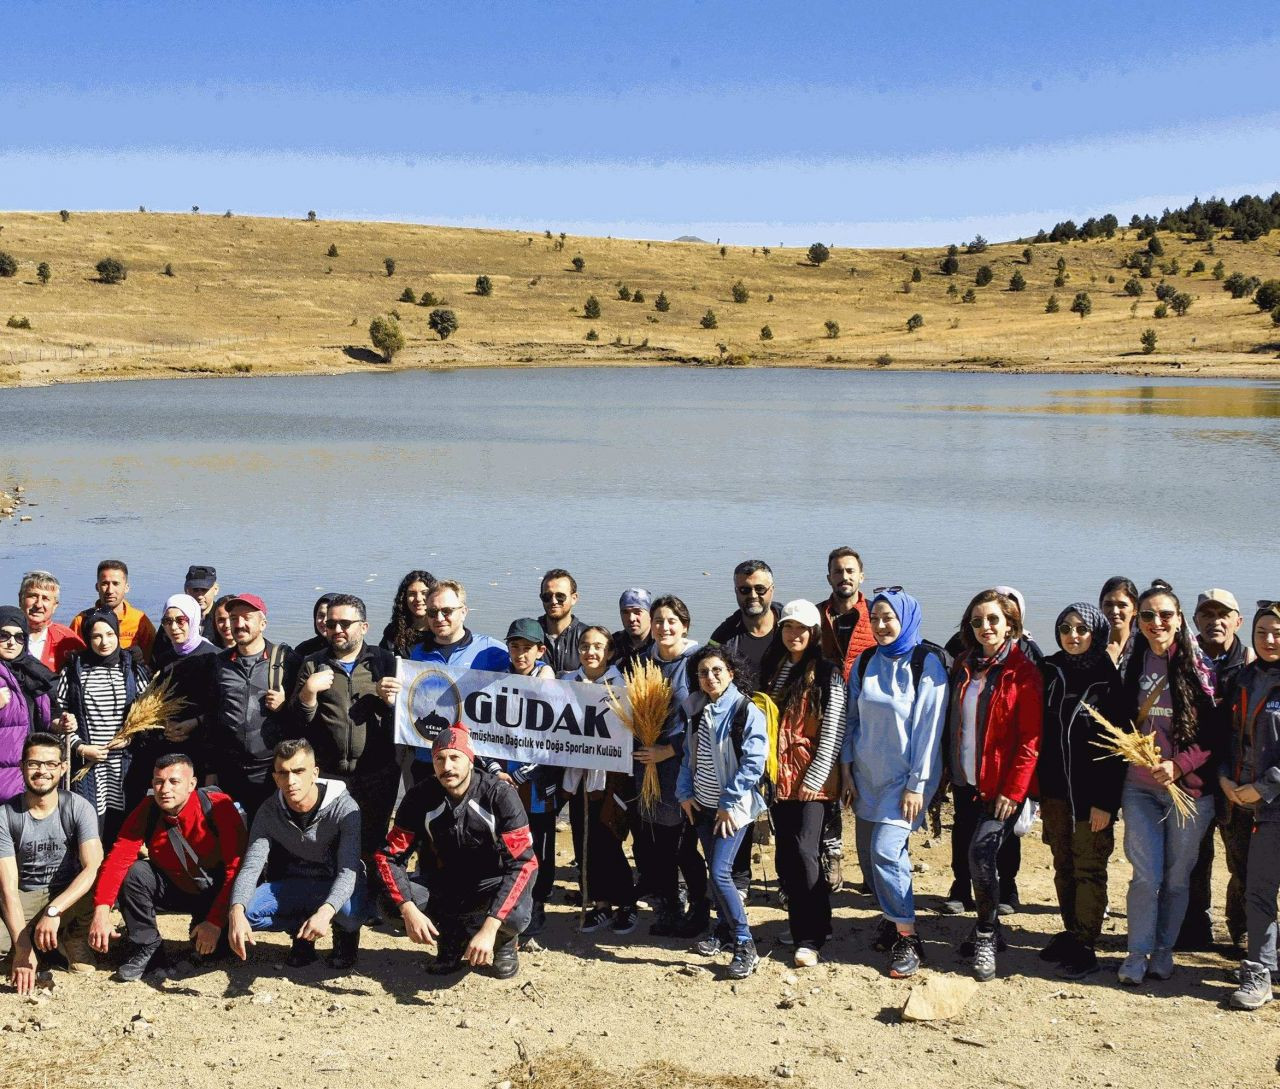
x=136 y=630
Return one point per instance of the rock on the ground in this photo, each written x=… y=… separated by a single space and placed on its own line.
x=938 y=998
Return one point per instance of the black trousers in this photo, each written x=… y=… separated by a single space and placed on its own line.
x=543 y=828
x=798 y=827
x=1235 y=827
x=146 y=891
x=663 y=853
x=970 y=811
x=606 y=875
x=459 y=913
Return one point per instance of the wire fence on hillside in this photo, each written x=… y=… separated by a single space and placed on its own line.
x=49 y=353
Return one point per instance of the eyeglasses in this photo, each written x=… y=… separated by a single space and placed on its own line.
x=10 y=637
x=343 y=624
x=752 y=589
x=977 y=623
x=1147 y=616
x=548 y=597
x=1073 y=629
x=175 y=621
x=713 y=671
x=887 y=590
x=42 y=765
x=442 y=614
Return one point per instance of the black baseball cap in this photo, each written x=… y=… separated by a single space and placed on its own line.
x=201 y=578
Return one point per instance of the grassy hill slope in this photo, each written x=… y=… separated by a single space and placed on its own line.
x=262 y=295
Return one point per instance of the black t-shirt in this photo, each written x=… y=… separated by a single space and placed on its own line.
x=304 y=818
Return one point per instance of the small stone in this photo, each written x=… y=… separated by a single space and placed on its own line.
x=531 y=946
x=464 y=1023
x=938 y=998
x=919 y=867
x=1109 y=1045
x=503 y=1085
x=784 y=1070
x=263 y=998
x=604 y=1032
x=789 y=980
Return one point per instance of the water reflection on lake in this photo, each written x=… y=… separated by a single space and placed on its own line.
x=663 y=478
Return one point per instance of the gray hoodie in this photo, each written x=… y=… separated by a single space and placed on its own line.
x=327 y=846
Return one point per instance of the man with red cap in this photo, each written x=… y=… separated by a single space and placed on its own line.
x=476 y=862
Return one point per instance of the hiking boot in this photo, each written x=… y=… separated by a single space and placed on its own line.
x=596 y=918
x=537 y=921
x=346 y=949
x=806 y=956
x=886 y=936
x=667 y=924
x=1005 y=909
x=1161 y=966
x=953 y=905
x=1060 y=947
x=906 y=957
x=715 y=943
x=744 y=960
x=301 y=953
x=1134 y=969
x=624 y=919
x=141 y=959
x=967 y=947
x=506 y=960
x=1078 y=963
x=984 y=955
x=831 y=864
x=80 y=957
x=695 y=921
x=1254 y=991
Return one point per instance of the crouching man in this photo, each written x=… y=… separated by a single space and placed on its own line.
x=194 y=840
x=475 y=862
x=49 y=856
x=307 y=835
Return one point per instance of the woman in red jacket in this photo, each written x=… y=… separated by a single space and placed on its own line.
x=997 y=706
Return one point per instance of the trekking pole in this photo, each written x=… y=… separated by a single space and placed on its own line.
x=586 y=850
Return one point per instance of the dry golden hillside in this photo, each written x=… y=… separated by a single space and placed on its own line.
x=262 y=295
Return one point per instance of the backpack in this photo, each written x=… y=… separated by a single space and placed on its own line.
x=919 y=653
x=185 y=853
x=738 y=730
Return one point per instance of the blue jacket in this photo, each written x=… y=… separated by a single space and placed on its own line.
x=470 y=652
x=740 y=795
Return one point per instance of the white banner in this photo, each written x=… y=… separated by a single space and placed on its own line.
x=565 y=723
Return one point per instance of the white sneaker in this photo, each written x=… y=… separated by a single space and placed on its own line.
x=1161 y=966
x=806 y=957
x=1134 y=969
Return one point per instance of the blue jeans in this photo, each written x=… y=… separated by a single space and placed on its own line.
x=287 y=903
x=720 y=853
x=1162 y=852
x=882 y=853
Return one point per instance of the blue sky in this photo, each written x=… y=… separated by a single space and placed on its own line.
x=857 y=123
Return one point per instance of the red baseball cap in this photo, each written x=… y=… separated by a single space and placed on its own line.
x=252 y=600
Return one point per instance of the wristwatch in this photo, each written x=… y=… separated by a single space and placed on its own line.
x=52 y=911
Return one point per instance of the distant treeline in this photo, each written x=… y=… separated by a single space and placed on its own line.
x=1246 y=219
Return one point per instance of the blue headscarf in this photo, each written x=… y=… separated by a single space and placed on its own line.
x=907 y=610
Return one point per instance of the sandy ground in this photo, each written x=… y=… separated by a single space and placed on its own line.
x=626 y=1004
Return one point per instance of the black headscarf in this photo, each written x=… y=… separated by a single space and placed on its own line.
x=89 y=655
x=29 y=671
x=1098 y=625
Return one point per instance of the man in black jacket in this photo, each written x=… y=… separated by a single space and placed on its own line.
x=559 y=594
x=476 y=864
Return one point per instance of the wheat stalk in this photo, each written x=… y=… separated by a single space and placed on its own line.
x=644 y=715
x=154 y=710
x=1141 y=751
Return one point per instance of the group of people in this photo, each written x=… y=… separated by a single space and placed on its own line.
x=277 y=797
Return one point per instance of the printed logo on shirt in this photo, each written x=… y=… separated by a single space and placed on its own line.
x=1147 y=682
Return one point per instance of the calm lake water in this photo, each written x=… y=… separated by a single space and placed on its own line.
x=665 y=478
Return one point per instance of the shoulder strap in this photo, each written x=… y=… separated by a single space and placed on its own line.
x=65 y=815
x=864 y=660
x=275 y=667
x=1150 y=701
x=738 y=728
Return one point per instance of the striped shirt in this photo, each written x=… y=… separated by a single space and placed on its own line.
x=830 y=732
x=707 y=787
x=104 y=705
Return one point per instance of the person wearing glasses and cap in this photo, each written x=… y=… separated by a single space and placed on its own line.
x=561 y=629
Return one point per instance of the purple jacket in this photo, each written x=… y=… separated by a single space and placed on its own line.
x=15 y=723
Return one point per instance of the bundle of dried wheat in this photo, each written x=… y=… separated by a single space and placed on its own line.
x=154 y=710
x=1141 y=751
x=645 y=714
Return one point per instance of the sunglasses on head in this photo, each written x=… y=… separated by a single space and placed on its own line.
x=887 y=590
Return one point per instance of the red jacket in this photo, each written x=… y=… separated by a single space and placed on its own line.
x=219 y=848
x=59 y=645
x=1010 y=720
x=859 y=639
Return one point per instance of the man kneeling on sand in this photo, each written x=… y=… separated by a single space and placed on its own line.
x=49 y=857
x=475 y=862
x=309 y=832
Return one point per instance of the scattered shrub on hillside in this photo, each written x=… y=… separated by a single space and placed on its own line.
x=242 y=368
x=969 y=296
x=16 y=322
x=637 y=297
x=708 y=320
x=64 y=215
x=952 y=290
x=1275 y=316
x=578 y=264
x=43 y=272
x=1026 y=255
x=142 y=208
x=592 y=335
x=8 y=266
x=1161 y=310
x=1061 y=266
x=832 y=327
x=226 y=214
x=1180 y=302
x=1017 y=282
x=1165 y=291
x=818 y=253
x=546 y=235
x=443 y=323
x=1082 y=304
x=624 y=293
x=1198 y=266
x=983 y=276
x=978 y=245
x=332 y=251
x=765 y=250
x=389 y=263
x=1155 y=247
x=766 y=333
x=662 y=304
x=1051 y=305
x=914 y=322
x=906 y=287
x=1110 y=278
x=484 y=286
x=591 y=308
x=311 y=216
x=949 y=265
x=1173 y=268
x=428 y=298
x=111 y=270
x=724 y=251
x=769 y=298
x=1060 y=280
x=1148 y=340
x=884 y=359
x=916 y=275
x=167 y=270
x=195 y=209
x=408 y=296
x=1238 y=284
x=740 y=292
x=1267 y=297
x=1133 y=286
x=386 y=335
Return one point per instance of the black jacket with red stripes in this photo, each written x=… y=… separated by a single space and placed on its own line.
x=476 y=848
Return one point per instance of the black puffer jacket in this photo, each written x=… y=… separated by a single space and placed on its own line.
x=1069 y=767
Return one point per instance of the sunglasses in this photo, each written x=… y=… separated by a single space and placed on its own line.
x=442 y=614
x=887 y=590
x=757 y=591
x=175 y=621
x=343 y=624
x=10 y=637
x=977 y=623
x=1073 y=629
x=1148 y=616
x=548 y=597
